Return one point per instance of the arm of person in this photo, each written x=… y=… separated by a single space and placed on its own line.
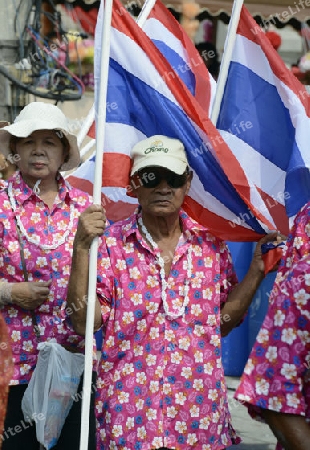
x=291 y=430
x=30 y=294
x=240 y=298
x=91 y=224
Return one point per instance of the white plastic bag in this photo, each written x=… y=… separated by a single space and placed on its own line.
x=51 y=390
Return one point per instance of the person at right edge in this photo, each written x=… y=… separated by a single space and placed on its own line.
x=275 y=385
x=167 y=292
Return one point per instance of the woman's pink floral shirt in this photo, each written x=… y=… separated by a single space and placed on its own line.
x=53 y=316
x=161 y=381
x=276 y=375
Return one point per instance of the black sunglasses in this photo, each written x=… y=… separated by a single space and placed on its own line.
x=151 y=178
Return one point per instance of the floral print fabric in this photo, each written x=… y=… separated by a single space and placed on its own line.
x=161 y=381
x=276 y=375
x=53 y=316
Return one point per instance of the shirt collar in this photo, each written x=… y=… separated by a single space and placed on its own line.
x=22 y=192
x=189 y=226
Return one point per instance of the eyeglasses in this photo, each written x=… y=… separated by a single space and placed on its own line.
x=151 y=178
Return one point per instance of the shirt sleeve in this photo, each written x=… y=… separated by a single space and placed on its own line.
x=275 y=376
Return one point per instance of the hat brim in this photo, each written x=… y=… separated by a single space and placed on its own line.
x=27 y=127
x=169 y=163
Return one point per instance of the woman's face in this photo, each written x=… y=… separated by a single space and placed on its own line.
x=40 y=155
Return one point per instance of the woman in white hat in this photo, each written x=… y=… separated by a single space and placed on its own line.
x=39 y=213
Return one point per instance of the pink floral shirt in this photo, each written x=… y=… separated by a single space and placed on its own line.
x=277 y=374
x=48 y=226
x=160 y=381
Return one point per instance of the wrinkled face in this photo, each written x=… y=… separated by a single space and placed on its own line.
x=159 y=191
x=40 y=155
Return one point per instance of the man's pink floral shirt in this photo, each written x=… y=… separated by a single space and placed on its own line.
x=161 y=381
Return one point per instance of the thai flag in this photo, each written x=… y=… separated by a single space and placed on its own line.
x=264 y=118
x=175 y=45
x=143 y=101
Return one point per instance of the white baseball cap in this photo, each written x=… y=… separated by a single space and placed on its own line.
x=159 y=151
x=41 y=116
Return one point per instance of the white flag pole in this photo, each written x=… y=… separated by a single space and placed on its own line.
x=145 y=12
x=100 y=132
x=87 y=147
x=228 y=49
x=86 y=126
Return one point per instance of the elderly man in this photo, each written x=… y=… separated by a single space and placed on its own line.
x=167 y=291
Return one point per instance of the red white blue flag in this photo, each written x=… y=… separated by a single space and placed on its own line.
x=142 y=101
x=264 y=117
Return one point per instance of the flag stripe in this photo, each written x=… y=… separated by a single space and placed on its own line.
x=234 y=229
x=178 y=64
x=124 y=137
x=173 y=50
x=257 y=167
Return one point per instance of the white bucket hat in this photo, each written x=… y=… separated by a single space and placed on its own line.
x=160 y=151
x=41 y=116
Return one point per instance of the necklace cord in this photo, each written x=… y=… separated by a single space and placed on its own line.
x=164 y=284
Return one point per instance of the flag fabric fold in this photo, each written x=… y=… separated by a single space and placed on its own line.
x=264 y=117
